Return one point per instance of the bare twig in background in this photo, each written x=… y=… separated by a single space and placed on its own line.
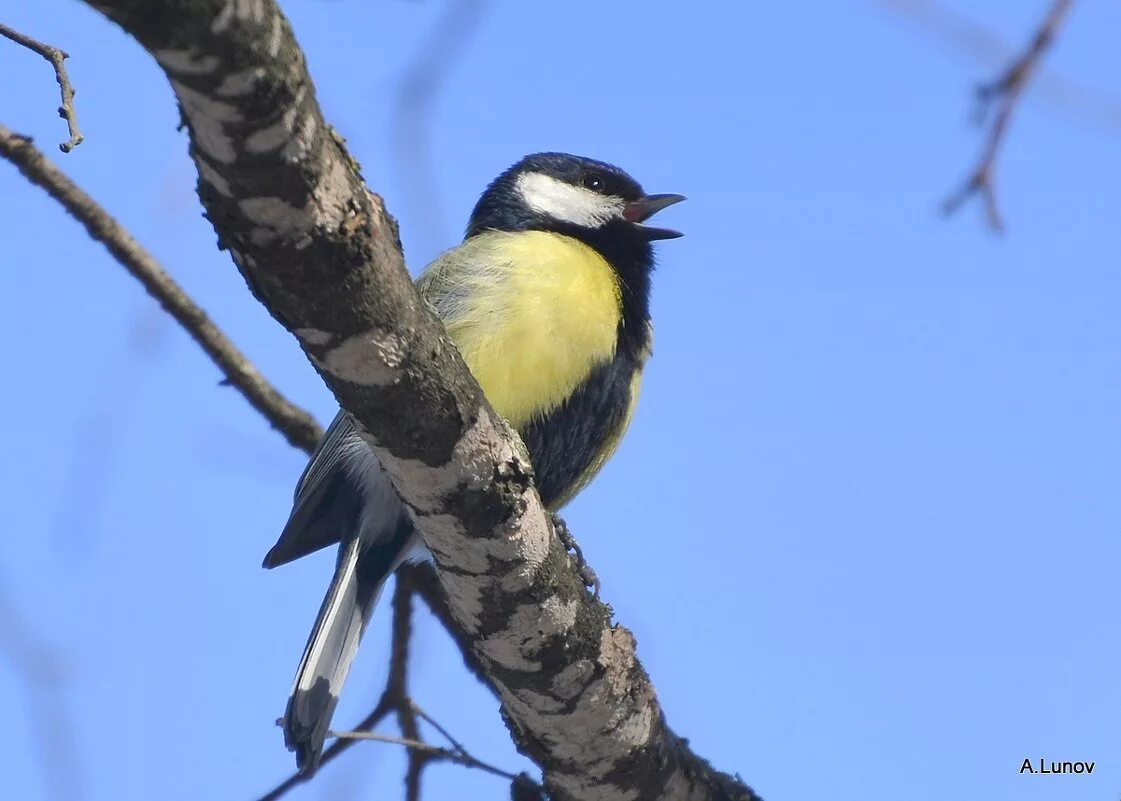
x=298 y=427
x=1005 y=92
x=458 y=754
x=397 y=685
x=983 y=43
x=416 y=95
x=57 y=58
x=965 y=35
x=41 y=674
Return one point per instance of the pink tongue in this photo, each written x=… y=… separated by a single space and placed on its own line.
x=632 y=214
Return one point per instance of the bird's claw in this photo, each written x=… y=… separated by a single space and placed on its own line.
x=587 y=575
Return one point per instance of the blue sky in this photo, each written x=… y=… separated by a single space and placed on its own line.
x=865 y=524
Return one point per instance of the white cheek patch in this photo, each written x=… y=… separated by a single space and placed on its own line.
x=562 y=201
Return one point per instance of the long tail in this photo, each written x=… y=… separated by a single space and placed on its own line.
x=329 y=653
x=342 y=495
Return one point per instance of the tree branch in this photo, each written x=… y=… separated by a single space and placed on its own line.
x=1005 y=92
x=321 y=253
x=967 y=36
x=297 y=426
x=57 y=58
x=42 y=674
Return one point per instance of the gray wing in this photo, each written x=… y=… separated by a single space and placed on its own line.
x=329 y=497
x=345 y=496
x=343 y=492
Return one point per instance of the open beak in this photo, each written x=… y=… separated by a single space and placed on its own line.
x=643 y=209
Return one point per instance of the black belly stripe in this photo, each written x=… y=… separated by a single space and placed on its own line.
x=566 y=443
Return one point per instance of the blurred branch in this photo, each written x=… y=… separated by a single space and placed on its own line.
x=1004 y=93
x=968 y=36
x=57 y=58
x=297 y=426
x=38 y=667
x=416 y=95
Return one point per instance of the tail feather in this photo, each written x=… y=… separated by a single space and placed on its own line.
x=327 y=658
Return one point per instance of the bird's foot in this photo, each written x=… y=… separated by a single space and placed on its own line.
x=587 y=575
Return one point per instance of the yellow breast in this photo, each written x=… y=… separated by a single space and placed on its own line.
x=532 y=315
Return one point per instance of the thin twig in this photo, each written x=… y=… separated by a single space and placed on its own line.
x=40 y=671
x=298 y=427
x=57 y=58
x=1006 y=92
x=420 y=713
x=377 y=737
x=432 y=752
x=398 y=679
x=461 y=756
x=967 y=36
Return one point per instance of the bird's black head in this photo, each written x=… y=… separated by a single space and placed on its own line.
x=572 y=195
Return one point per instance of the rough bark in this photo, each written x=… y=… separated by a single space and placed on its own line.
x=320 y=252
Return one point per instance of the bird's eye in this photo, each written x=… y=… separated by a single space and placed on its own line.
x=594 y=182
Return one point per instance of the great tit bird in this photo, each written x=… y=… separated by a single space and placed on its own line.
x=547 y=299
